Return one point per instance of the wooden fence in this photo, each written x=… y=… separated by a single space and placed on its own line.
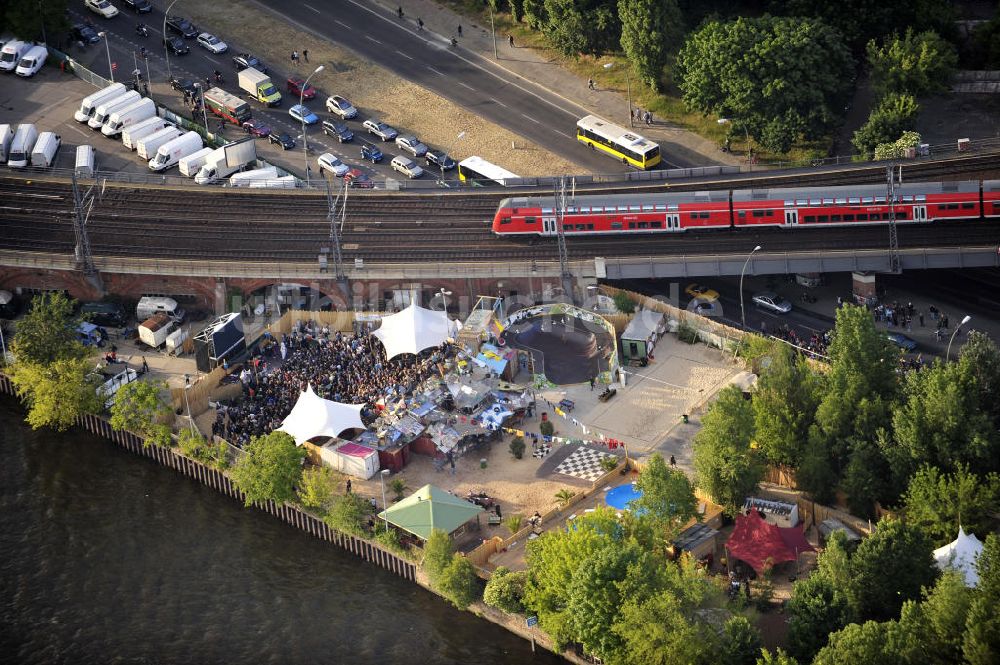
x=339 y=320
x=220 y=482
x=780 y=475
x=200 y=392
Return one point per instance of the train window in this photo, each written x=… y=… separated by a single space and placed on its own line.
x=622 y=208
x=867 y=199
x=789 y=204
x=942 y=207
x=570 y=208
x=694 y=215
x=590 y=227
x=585 y=209
x=758 y=213
x=834 y=218
x=770 y=213
x=901 y=214
x=673 y=207
x=921 y=198
x=853 y=200
x=815 y=202
x=647 y=208
x=704 y=215
x=741 y=213
x=968 y=206
x=880 y=199
x=810 y=219
x=643 y=225
x=581 y=227
x=567 y=227
x=952 y=206
x=616 y=226
x=801 y=202
x=874 y=217
x=662 y=208
x=841 y=202
x=505 y=220
x=862 y=217
x=530 y=220
x=655 y=225
x=848 y=218
x=822 y=218
x=633 y=208
x=908 y=198
x=828 y=202
x=631 y=225
x=546 y=211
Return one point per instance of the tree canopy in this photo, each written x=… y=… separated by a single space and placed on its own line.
x=938 y=503
x=725 y=464
x=895 y=115
x=47 y=333
x=30 y=20
x=784 y=404
x=651 y=30
x=915 y=64
x=140 y=407
x=775 y=77
x=269 y=469
x=667 y=497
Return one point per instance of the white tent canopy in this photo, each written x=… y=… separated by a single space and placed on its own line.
x=314 y=416
x=961 y=555
x=412 y=330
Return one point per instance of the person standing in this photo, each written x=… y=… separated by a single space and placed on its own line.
x=510 y=40
x=145 y=365
x=348 y=485
x=591 y=384
x=420 y=24
x=459 y=29
x=590 y=84
x=295 y=58
x=399 y=12
x=305 y=54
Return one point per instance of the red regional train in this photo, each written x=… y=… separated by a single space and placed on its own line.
x=809 y=206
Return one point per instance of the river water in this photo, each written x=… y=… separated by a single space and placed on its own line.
x=107 y=557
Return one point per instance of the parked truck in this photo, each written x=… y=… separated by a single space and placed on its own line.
x=105 y=109
x=155 y=330
x=147 y=146
x=131 y=135
x=244 y=179
x=171 y=152
x=226 y=161
x=144 y=109
x=189 y=165
x=91 y=101
x=260 y=86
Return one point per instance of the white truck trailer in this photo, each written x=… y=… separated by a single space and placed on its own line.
x=155 y=330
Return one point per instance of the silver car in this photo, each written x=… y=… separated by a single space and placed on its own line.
x=412 y=145
x=407 y=167
x=772 y=302
x=380 y=129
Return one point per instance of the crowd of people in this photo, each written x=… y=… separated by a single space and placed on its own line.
x=342 y=368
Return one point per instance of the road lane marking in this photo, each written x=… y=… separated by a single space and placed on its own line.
x=497 y=101
x=465 y=85
x=372 y=39
x=404 y=55
x=312 y=8
x=525 y=115
x=435 y=71
x=342 y=24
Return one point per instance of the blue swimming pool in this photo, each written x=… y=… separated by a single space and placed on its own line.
x=620 y=497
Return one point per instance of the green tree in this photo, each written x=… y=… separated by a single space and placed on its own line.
x=937 y=624
x=740 y=642
x=516 y=9
x=29 y=20
x=783 y=404
x=582 y=26
x=981 y=642
x=624 y=302
x=269 y=469
x=348 y=513
x=890 y=567
x=534 y=13
x=980 y=362
x=192 y=443
x=667 y=497
x=505 y=590
x=726 y=466
x=459 y=582
x=938 y=503
x=47 y=333
x=915 y=64
x=864 y=478
x=819 y=606
x=650 y=30
x=316 y=488
x=870 y=643
x=893 y=116
x=779 y=657
x=783 y=75
x=56 y=393
x=140 y=407
x=438 y=553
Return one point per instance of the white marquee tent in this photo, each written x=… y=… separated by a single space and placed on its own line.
x=961 y=555
x=413 y=330
x=314 y=416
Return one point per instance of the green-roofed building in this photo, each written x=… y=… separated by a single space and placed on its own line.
x=430 y=508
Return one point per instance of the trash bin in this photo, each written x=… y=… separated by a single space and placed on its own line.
x=482 y=463
x=685 y=418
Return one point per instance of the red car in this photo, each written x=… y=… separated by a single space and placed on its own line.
x=256 y=130
x=295 y=84
x=356 y=178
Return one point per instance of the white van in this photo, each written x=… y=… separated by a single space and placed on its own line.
x=46 y=147
x=144 y=109
x=32 y=61
x=85 y=161
x=131 y=135
x=90 y=102
x=21 y=146
x=189 y=165
x=148 y=145
x=11 y=54
x=150 y=305
x=170 y=153
x=105 y=109
x=6 y=136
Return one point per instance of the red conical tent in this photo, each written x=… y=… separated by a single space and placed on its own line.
x=758 y=543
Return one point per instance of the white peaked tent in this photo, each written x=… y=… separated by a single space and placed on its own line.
x=961 y=555
x=314 y=416
x=412 y=330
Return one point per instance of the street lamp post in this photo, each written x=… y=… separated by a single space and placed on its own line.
x=302 y=92
x=187 y=404
x=385 y=506
x=967 y=318
x=457 y=139
x=628 y=89
x=166 y=49
x=444 y=297
x=107 y=47
x=204 y=113
x=743 y=316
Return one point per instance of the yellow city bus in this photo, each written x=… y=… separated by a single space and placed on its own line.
x=477 y=172
x=618 y=142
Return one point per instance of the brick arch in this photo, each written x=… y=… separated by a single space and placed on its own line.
x=134 y=286
x=326 y=287
x=73 y=282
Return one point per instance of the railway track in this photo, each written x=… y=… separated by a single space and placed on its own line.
x=233 y=225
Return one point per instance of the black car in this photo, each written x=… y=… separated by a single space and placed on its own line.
x=139 y=6
x=177 y=45
x=284 y=140
x=181 y=26
x=183 y=85
x=107 y=314
x=84 y=33
x=440 y=160
x=370 y=152
x=339 y=130
x=245 y=61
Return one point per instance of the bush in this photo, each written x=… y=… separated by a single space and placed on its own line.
x=894 y=115
x=546 y=428
x=398 y=487
x=687 y=333
x=316 y=488
x=193 y=444
x=349 y=514
x=517 y=447
x=505 y=590
x=389 y=539
x=514 y=523
x=459 y=582
x=624 y=302
x=609 y=464
x=438 y=552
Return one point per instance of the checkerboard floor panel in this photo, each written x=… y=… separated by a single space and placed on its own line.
x=584 y=463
